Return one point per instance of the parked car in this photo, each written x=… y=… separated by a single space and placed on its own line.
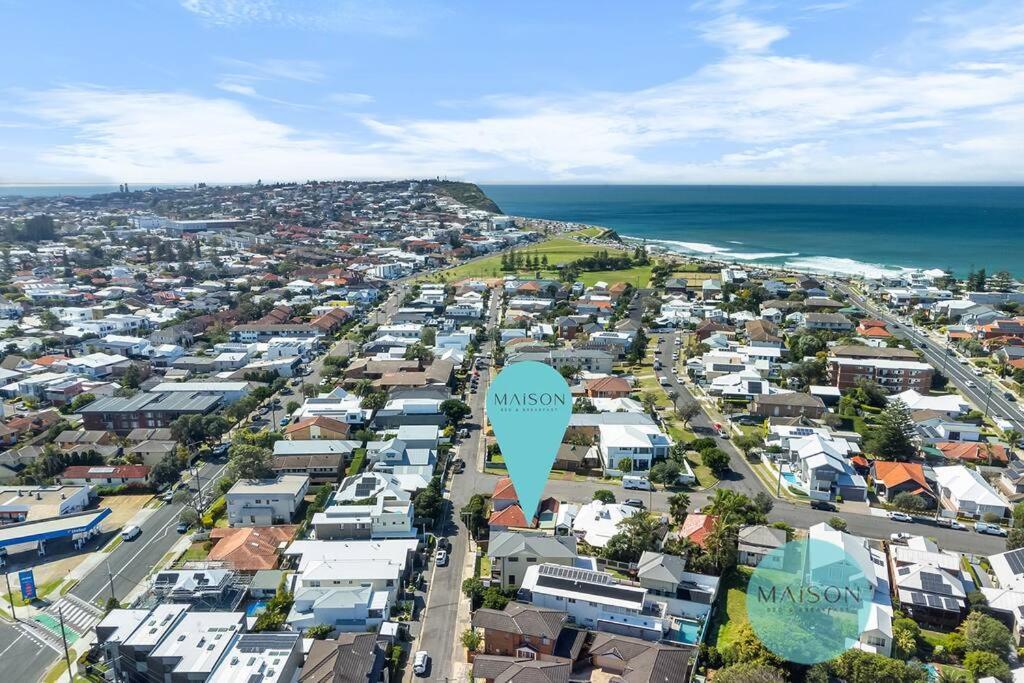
x=130 y=533
x=459 y=465
x=900 y=537
x=823 y=505
x=634 y=502
x=898 y=516
x=991 y=529
x=181 y=528
x=441 y=558
x=220 y=450
x=420 y=663
x=949 y=523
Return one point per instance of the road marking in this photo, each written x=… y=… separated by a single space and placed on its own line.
x=4 y=651
x=158 y=535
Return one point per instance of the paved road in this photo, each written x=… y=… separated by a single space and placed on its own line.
x=985 y=395
x=132 y=561
x=24 y=657
x=439 y=628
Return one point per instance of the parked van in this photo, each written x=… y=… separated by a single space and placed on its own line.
x=636 y=483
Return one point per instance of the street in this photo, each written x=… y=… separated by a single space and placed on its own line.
x=988 y=398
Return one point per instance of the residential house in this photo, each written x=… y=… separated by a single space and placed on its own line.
x=250 y=549
x=893 y=478
x=529 y=632
x=793 y=404
x=317 y=427
x=638 y=661
x=263 y=502
x=607 y=387
x=756 y=542
x=106 y=475
x=965 y=492
x=641 y=444
x=929 y=583
x=267 y=657
x=350 y=658
x=512 y=552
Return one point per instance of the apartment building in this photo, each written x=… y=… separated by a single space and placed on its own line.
x=892 y=375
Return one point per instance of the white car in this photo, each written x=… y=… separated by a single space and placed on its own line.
x=897 y=516
x=899 y=537
x=441 y=558
x=420 y=663
x=130 y=532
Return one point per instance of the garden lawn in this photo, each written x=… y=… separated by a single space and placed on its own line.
x=356 y=465
x=558 y=251
x=727 y=620
x=195 y=553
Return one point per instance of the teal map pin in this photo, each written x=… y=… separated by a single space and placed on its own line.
x=529 y=404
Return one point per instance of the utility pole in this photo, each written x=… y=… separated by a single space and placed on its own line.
x=10 y=593
x=110 y=578
x=64 y=637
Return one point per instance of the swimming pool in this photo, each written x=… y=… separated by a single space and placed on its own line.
x=685 y=631
x=790 y=477
x=255 y=608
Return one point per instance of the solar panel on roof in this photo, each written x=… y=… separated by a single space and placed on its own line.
x=1015 y=559
x=933 y=583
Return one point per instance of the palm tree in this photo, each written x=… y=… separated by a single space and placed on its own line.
x=1012 y=438
x=678 y=504
x=362 y=387
x=720 y=543
x=731 y=506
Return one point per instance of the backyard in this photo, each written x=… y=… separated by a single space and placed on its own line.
x=733 y=614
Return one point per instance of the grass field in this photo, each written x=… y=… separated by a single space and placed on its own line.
x=727 y=620
x=558 y=251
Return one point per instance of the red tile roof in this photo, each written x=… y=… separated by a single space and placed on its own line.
x=896 y=473
x=250 y=548
x=696 y=527
x=104 y=471
x=504 y=490
x=972 y=451
x=512 y=516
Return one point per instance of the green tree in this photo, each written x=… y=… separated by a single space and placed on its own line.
x=908 y=502
x=291 y=407
x=473 y=589
x=687 y=411
x=666 y=472
x=746 y=647
x=429 y=502
x=81 y=400
x=455 y=410
x=837 y=523
x=319 y=631
x=858 y=666
x=250 y=462
x=375 y=400
x=894 y=436
x=678 y=505
x=1015 y=538
x=471 y=640
x=495 y=599
x=763 y=502
x=716 y=460
x=625 y=465
x=604 y=495
x=474 y=513
x=982 y=664
x=982 y=632
x=132 y=377
x=634 y=535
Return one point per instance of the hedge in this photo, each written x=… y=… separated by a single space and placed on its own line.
x=216 y=511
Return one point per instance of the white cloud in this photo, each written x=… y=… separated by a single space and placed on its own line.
x=994 y=38
x=376 y=18
x=303 y=70
x=740 y=34
x=237 y=88
x=348 y=99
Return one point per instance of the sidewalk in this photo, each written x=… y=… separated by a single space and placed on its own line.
x=461 y=669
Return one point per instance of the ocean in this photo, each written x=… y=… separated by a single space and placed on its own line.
x=824 y=229
x=65 y=190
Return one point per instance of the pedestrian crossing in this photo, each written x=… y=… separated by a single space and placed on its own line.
x=79 y=618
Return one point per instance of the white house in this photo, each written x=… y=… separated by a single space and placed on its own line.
x=264 y=502
x=966 y=492
x=950 y=404
x=596 y=522
x=383 y=518
x=642 y=444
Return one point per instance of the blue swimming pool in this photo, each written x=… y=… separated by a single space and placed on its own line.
x=685 y=631
x=790 y=477
x=255 y=608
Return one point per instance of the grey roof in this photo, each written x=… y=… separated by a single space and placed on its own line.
x=761 y=536
x=352 y=658
x=521 y=619
x=661 y=567
x=180 y=402
x=644 y=662
x=266 y=579
x=314 y=447
x=512 y=542
x=795 y=398
x=513 y=670
x=597 y=419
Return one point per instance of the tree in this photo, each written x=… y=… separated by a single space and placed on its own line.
x=188 y=516
x=495 y=599
x=1015 y=539
x=746 y=647
x=837 y=523
x=906 y=633
x=982 y=632
x=732 y=506
x=982 y=664
x=720 y=543
x=678 y=505
x=1012 y=438
x=750 y=672
x=291 y=407
x=894 y=435
x=38 y=229
x=716 y=460
x=908 y=502
x=318 y=631
x=649 y=401
x=687 y=412
x=375 y=400
x=429 y=501
x=471 y=640
x=132 y=377
x=605 y=496
x=49 y=320
x=473 y=589
x=309 y=390
x=748 y=442
x=666 y=472
x=858 y=666
x=250 y=462
x=418 y=352
x=763 y=502
x=634 y=535
x=474 y=513
x=81 y=400
x=584 y=405
x=625 y=465
x=455 y=410
x=569 y=372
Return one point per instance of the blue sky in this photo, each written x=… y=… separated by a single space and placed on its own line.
x=165 y=91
